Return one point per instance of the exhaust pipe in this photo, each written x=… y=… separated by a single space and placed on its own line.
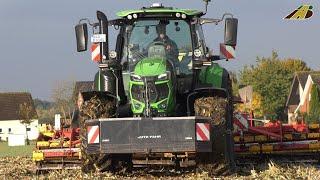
x=103 y=29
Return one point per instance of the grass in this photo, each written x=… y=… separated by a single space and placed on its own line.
x=24 y=151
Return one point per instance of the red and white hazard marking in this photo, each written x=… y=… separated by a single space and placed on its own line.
x=95 y=52
x=227 y=52
x=240 y=121
x=93 y=134
x=203 y=131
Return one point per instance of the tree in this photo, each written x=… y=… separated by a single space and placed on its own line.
x=235 y=84
x=271 y=77
x=26 y=115
x=63 y=98
x=45 y=109
x=314 y=111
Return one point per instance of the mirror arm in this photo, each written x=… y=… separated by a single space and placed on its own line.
x=115 y=22
x=88 y=22
x=206 y=4
x=212 y=20
x=226 y=14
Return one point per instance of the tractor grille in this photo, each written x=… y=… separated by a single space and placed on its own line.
x=153 y=93
x=157 y=92
x=137 y=92
x=163 y=91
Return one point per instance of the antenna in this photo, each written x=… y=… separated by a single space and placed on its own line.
x=207 y=3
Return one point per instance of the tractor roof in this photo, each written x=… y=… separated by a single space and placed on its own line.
x=160 y=10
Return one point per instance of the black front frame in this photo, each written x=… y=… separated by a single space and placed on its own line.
x=148 y=135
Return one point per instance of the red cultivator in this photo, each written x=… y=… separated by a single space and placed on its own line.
x=58 y=150
x=275 y=137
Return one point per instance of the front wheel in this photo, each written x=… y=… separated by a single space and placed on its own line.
x=221 y=159
x=94 y=107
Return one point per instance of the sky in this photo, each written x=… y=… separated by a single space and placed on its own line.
x=38 y=46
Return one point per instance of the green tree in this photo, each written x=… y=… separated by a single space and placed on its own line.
x=271 y=77
x=27 y=115
x=314 y=111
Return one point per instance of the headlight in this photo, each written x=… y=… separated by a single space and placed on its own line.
x=163 y=105
x=164 y=76
x=137 y=106
x=135 y=77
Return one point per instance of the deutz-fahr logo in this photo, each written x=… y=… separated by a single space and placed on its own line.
x=301 y=13
x=150 y=137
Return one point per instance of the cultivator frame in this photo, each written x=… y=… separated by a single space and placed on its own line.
x=275 y=138
x=58 y=150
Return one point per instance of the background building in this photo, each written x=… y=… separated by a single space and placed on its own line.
x=9 y=115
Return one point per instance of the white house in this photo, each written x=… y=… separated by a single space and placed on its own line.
x=299 y=95
x=9 y=116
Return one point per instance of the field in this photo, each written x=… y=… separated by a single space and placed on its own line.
x=23 y=168
x=16 y=163
x=5 y=150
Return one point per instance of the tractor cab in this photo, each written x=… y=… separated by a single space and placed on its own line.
x=158 y=47
x=174 y=40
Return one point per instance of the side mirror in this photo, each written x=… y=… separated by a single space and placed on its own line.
x=82 y=37
x=230 y=31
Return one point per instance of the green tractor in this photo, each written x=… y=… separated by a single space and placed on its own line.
x=159 y=99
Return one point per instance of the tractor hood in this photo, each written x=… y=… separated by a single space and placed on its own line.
x=150 y=67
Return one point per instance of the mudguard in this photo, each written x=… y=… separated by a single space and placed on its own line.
x=223 y=145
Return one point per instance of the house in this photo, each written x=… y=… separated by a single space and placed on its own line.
x=46 y=121
x=299 y=95
x=246 y=94
x=10 y=118
x=45 y=124
x=83 y=86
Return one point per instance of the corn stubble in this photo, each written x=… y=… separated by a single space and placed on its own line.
x=96 y=108
x=23 y=168
x=213 y=107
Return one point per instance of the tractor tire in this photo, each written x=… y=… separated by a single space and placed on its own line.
x=94 y=108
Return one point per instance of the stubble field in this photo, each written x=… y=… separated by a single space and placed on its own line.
x=24 y=168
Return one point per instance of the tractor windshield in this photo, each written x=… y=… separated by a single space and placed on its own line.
x=167 y=39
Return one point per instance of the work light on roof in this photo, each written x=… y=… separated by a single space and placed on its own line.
x=178 y=15
x=156 y=5
x=135 y=16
